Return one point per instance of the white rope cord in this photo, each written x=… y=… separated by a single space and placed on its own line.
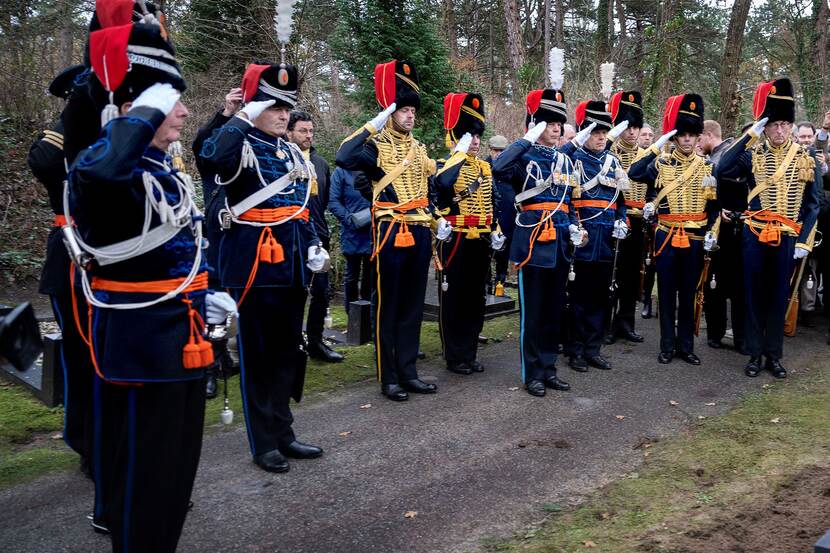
x=534 y=171
x=601 y=180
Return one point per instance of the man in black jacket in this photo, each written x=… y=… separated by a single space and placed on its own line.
x=301 y=133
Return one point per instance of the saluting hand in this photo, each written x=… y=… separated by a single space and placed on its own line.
x=615 y=132
x=161 y=96
x=582 y=136
x=381 y=118
x=534 y=132
x=660 y=142
x=252 y=110
x=756 y=129
x=464 y=144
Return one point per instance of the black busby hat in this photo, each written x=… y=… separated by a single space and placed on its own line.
x=627 y=106
x=774 y=99
x=592 y=111
x=546 y=105
x=278 y=82
x=684 y=113
x=128 y=59
x=397 y=81
x=64 y=82
x=463 y=113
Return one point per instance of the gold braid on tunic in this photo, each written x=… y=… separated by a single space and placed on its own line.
x=412 y=184
x=476 y=210
x=635 y=196
x=784 y=196
x=690 y=197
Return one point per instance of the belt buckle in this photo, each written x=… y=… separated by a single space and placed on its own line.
x=225 y=219
x=461 y=195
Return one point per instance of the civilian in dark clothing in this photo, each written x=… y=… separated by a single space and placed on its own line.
x=301 y=133
x=505 y=209
x=352 y=210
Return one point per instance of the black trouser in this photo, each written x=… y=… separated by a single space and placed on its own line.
x=272 y=363
x=358 y=282
x=590 y=306
x=678 y=271
x=542 y=302
x=650 y=270
x=319 y=304
x=461 y=307
x=150 y=439
x=77 y=375
x=726 y=269
x=399 y=302
x=629 y=272
x=767 y=272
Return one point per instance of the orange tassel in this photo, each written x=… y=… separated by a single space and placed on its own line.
x=548 y=233
x=404 y=238
x=770 y=234
x=205 y=353
x=680 y=239
x=191 y=359
x=270 y=251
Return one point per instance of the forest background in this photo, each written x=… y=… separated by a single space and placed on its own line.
x=717 y=48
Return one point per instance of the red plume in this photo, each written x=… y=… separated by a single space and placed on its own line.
x=250 y=80
x=112 y=13
x=108 y=55
x=452 y=108
x=670 y=114
x=534 y=100
x=579 y=112
x=759 y=101
x=385 y=83
x=614 y=106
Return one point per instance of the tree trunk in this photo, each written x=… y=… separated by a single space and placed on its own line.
x=515 y=42
x=729 y=100
x=603 y=31
x=821 y=11
x=667 y=71
x=560 y=24
x=450 y=28
x=621 y=18
x=547 y=40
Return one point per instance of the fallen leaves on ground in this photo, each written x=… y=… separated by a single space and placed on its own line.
x=589 y=544
x=776 y=420
x=344 y=434
x=366 y=406
x=620 y=417
x=674 y=403
x=513 y=388
x=410 y=514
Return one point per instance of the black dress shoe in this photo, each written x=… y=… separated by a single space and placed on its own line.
x=609 y=339
x=273 y=461
x=776 y=368
x=477 y=367
x=665 y=357
x=646 y=312
x=536 y=388
x=421 y=355
x=460 y=368
x=317 y=349
x=211 y=389
x=394 y=392
x=98 y=525
x=578 y=364
x=598 y=362
x=299 y=450
x=630 y=335
x=689 y=358
x=712 y=343
x=753 y=368
x=554 y=383
x=418 y=386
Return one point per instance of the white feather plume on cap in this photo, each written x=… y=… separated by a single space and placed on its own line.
x=556 y=68
x=606 y=78
x=283 y=20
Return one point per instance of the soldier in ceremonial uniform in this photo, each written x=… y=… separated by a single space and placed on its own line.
x=600 y=209
x=779 y=224
x=402 y=216
x=546 y=229
x=634 y=260
x=681 y=192
x=48 y=163
x=137 y=238
x=465 y=197
x=267 y=253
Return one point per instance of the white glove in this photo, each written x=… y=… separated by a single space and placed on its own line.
x=463 y=144
x=381 y=118
x=497 y=240
x=615 y=133
x=758 y=127
x=534 y=132
x=800 y=253
x=218 y=307
x=444 y=230
x=710 y=241
x=620 y=229
x=660 y=142
x=162 y=97
x=252 y=110
x=318 y=259
x=582 y=136
x=577 y=235
x=648 y=210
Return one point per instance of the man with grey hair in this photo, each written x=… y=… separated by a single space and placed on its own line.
x=646 y=136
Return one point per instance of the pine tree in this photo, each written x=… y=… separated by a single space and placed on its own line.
x=376 y=31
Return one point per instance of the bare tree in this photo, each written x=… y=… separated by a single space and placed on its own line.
x=515 y=41
x=729 y=100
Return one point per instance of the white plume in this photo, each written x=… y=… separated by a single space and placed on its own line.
x=606 y=78
x=556 y=68
x=283 y=20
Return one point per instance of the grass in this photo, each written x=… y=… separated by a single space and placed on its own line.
x=29 y=431
x=724 y=463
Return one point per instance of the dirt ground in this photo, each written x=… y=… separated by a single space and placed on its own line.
x=791 y=521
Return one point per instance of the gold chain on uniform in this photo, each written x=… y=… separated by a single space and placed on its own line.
x=480 y=202
x=393 y=148
x=785 y=196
